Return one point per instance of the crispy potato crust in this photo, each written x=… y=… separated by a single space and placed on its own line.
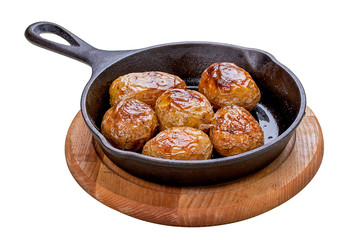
x=234 y=130
x=144 y=86
x=129 y=124
x=183 y=107
x=180 y=143
x=226 y=84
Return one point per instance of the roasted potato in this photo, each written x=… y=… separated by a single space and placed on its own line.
x=226 y=84
x=180 y=143
x=234 y=130
x=183 y=107
x=144 y=86
x=129 y=124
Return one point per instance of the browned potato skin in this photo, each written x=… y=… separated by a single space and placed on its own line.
x=234 y=130
x=180 y=143
x=129 y=124
x=183 y=107
x=226 y=84
x=144 y=86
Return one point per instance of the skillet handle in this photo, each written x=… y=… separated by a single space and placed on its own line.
x=78 y=49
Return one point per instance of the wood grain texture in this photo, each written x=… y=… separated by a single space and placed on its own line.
x=195 y=206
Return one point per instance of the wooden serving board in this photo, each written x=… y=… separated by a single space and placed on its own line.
x=195 y=206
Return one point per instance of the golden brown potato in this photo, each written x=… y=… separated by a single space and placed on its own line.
x=129 y=124
x=180 y=143
x=226 y=84
x=234 y=130
x=183 y=107
x=144 y=86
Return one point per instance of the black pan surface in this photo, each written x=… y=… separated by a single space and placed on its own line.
x=279 y=112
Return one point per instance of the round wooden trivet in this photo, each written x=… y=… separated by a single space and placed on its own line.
x=195 y=206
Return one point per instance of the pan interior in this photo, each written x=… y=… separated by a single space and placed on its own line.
x=280 y=96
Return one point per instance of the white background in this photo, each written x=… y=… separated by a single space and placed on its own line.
x=40 y=95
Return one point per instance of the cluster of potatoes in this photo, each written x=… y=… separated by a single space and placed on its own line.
x=155 y=113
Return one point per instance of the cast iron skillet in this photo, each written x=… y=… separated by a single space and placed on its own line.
x=279 y=112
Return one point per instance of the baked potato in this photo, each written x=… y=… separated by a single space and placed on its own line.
x=183 y=107
x=234 y=130
x=226 y=84
x=129 y=124
x=180 y=143
x=144 y=86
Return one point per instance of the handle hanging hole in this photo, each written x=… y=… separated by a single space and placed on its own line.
x=55 y=38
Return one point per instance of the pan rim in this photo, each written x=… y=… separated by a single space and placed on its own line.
x=195 y=163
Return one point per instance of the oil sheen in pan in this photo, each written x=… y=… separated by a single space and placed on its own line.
x=267 y=122
x=265 y=118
